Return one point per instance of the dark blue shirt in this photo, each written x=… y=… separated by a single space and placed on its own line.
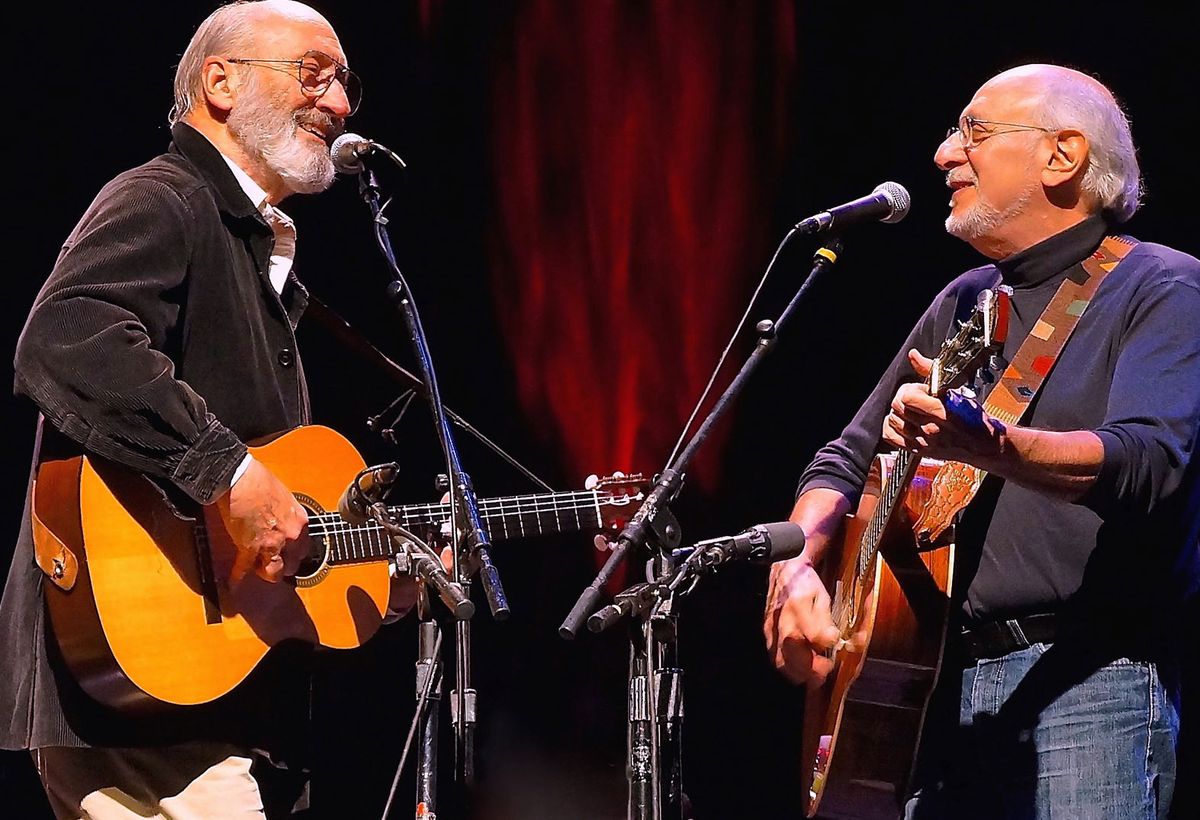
x=1131 y=374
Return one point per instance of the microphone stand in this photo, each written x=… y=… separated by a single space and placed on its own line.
x=654 y=765
x=417 y=559
x=468 y=537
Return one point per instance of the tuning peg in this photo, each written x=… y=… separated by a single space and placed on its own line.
x=601 y=543
x=593 y=481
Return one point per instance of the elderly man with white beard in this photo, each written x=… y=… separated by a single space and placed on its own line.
x=163 y=340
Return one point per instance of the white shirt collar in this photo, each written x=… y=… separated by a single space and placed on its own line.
x=253 y=190
x=284 y=251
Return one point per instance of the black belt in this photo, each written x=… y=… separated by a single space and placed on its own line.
x=996 y=638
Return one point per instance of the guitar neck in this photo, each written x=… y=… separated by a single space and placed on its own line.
x=503 y=518
x=518 y=516
x=898 y=479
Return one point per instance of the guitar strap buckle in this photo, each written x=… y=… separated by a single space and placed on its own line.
x=52 y=556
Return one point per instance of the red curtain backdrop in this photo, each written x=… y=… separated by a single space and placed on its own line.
x=637 y=150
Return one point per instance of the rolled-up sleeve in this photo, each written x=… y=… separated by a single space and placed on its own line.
x=1152 y=417
x=93 y=353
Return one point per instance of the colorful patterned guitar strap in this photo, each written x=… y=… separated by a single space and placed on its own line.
x=956 y=483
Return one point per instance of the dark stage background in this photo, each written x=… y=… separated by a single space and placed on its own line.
x=594 y=189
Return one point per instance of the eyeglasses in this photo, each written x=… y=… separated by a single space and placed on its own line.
x=972 y=131
x=316 y=72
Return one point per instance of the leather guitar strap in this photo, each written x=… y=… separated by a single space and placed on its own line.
x=956 y=483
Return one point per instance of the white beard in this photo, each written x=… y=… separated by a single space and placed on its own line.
x=269 y=133
x=983 y=219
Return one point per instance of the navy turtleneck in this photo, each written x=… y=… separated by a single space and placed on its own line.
x=1130 y=373
x=1054 y=255
x=1036 y=273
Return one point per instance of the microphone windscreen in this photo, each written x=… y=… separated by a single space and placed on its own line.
x=897 y=196
x=345 y=152
x=786 y=540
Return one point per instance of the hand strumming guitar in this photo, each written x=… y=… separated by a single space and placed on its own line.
x=267 y=524
x=798 y=624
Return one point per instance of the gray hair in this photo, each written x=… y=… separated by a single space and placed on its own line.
x=1112 y=177
x=227 y=30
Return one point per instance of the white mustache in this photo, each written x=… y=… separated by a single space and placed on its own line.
x=331 y=127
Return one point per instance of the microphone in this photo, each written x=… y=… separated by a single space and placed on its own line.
x=889 y=202
x=348 y=151
x=353 y=504
x=761 y=544
x=429 y=567
x=637 y=596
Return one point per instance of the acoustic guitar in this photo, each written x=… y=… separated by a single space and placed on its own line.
x=139 y=595
x=862 y=727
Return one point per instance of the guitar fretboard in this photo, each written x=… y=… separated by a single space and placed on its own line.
x=503 y=518
x=903 y=469
x=958 y=357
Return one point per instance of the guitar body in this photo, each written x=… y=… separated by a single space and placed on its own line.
x=139 y=595
x=152 y=617
x=863 y=725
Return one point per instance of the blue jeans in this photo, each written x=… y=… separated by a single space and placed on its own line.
x=1050 y=732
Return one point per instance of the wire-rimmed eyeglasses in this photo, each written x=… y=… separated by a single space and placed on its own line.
x=971 y=130
x=316 y=71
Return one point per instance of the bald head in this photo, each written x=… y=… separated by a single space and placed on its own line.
x=1063 y=98
x=281 y=8
x=1042 y=78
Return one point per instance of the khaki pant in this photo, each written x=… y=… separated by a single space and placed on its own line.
x=190 y=781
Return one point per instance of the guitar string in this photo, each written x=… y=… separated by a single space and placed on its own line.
x=367 y=537
x=519 y=508
x=874 y=531
x=350 y=542
x=334 y=520
x=577 y=495
x=901 y=475
x=332 y=527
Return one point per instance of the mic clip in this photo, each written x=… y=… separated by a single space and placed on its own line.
x=349 y=150
x=636 y=600
x=416 y=558
x=365 y=491
x=379 y=423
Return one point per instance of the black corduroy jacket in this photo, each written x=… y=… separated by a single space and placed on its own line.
x=157 y=342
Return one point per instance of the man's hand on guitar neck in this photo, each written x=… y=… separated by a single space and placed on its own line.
x=1060 y=463
x=266 y=523
x=798 y=624
x=953 y=428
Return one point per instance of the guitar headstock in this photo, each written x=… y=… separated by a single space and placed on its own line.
x=618 y=497
x=976 y=340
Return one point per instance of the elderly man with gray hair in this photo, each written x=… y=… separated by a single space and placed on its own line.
x=1059 y=684
x=162 y=341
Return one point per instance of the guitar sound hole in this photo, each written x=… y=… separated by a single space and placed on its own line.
x=318 y=548
x=311 y=563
